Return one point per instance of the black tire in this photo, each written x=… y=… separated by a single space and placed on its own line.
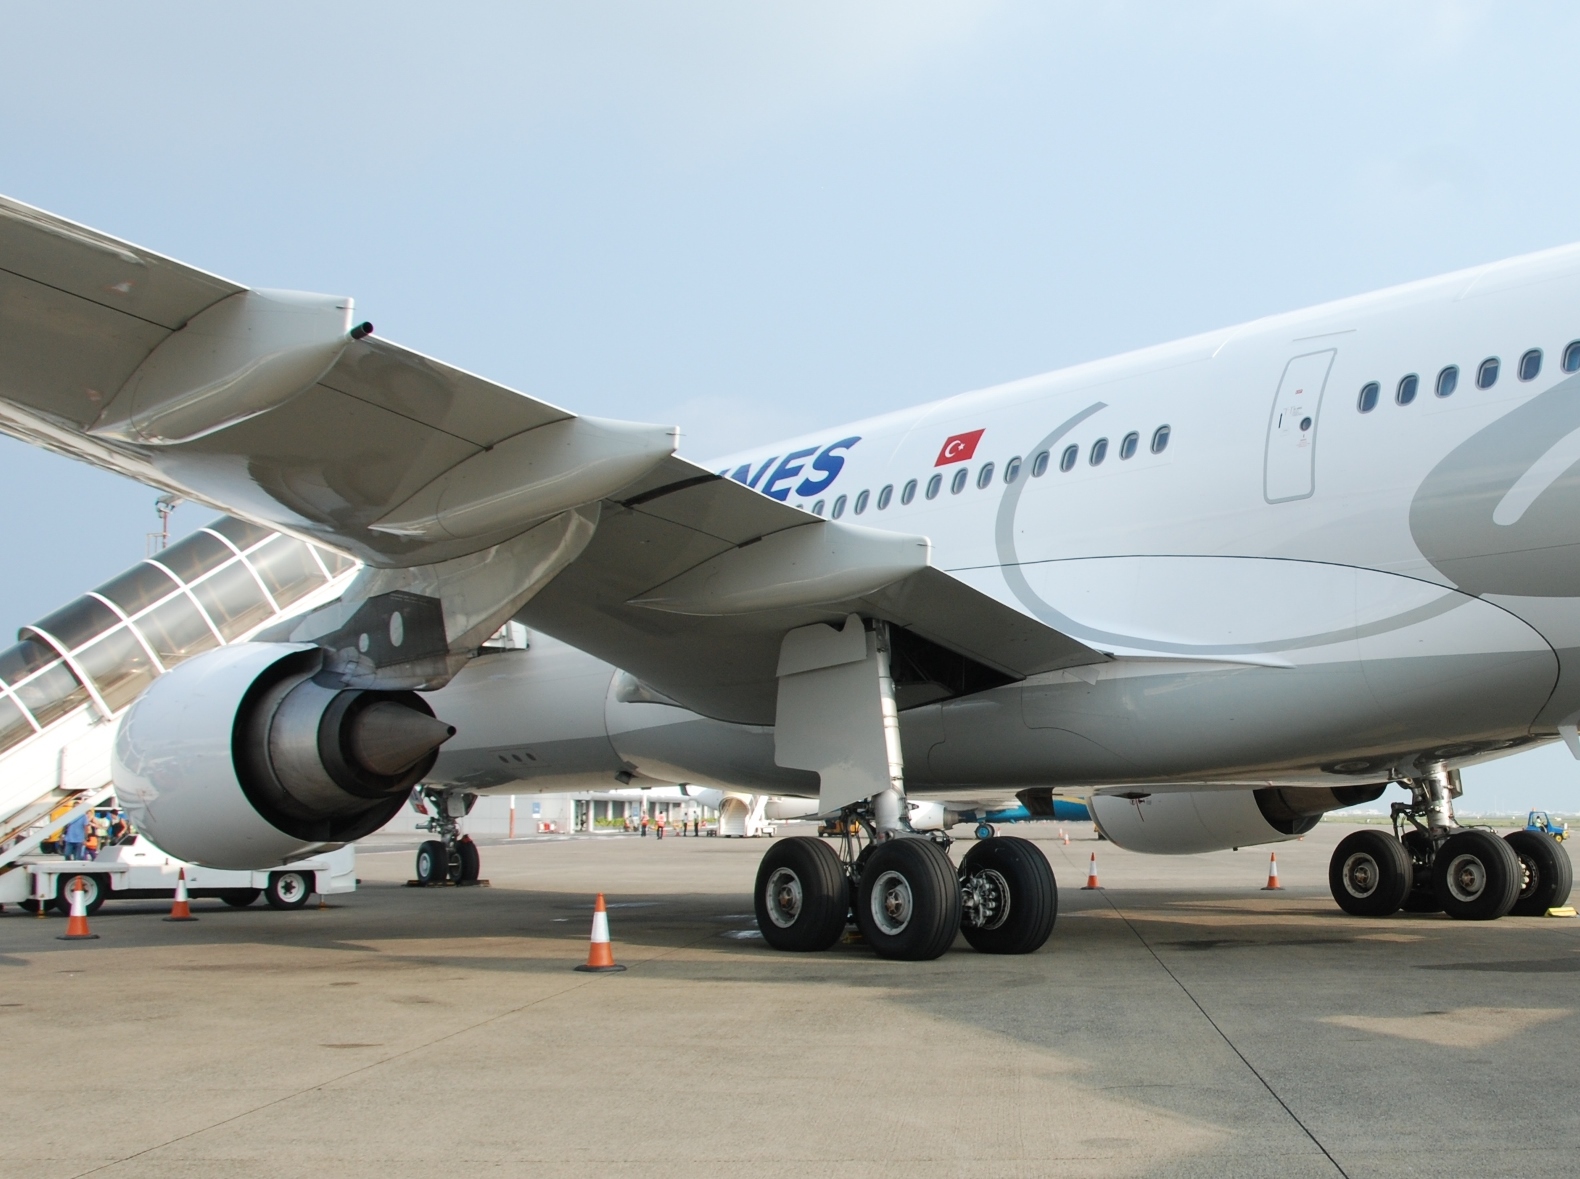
x=1016 y=899
x=1370 y=874
x=94 y=895
x=1546 y=875
x=466 y=864
x=433 y=862
x=801 y=897
x=1477 y=876
x=908 y=903
x=289 y=889
x=1422 y=897
x=240 y=898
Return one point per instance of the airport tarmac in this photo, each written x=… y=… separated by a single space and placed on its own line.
x=1180 y=1022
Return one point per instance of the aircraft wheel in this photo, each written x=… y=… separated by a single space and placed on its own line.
x=288 y=890
x=984 y=831
x=1546 y=874
x=908 y=903
x=1370 y=874
x=466 y=864
x=240 y=898
x=433 y=862
x=801 y=898
x=1477 y=876
x=1009 y=899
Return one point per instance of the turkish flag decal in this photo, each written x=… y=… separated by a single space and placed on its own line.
x=958 y=448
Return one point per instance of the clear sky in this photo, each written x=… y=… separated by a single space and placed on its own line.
x=755 y=219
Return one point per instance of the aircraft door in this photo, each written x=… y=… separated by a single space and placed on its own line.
x=1289 y=465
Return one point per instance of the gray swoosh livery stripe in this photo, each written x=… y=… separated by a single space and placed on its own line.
x=1010 y=565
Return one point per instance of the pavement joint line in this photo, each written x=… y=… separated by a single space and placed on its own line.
x=576 y=985
x=1196 y=1003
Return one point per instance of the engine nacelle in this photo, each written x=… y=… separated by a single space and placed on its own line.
x=1170 y=823
x=240 y=758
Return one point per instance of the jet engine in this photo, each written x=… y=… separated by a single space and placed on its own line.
x=242 y=758
x=1180 y=823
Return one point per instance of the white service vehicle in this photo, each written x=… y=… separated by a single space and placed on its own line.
x=138 y=870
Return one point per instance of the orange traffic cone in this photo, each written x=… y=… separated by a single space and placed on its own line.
x=1272 y=875
x=77 y=924
x=1064 y=835
x=179 y=909
x=1091 y=875
x=600 y=958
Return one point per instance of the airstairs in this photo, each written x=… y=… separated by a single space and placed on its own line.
x=70 y=676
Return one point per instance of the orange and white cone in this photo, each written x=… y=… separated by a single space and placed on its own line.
x=1091 y=875
x=77 y=923
x=180 y=910
x=1064 y=835
x=600 y=957
x=1272 y=884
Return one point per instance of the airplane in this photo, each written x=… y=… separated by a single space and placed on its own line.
x=1218 y=587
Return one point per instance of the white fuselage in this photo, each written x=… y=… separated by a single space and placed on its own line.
x=1292 y=590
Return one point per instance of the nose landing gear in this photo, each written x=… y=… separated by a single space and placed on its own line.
x=1467 y=872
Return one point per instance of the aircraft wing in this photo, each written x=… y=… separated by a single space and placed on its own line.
x=276 y=406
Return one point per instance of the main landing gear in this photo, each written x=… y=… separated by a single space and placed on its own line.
x=1467 y=872
x=904 y=894
x=452 y=858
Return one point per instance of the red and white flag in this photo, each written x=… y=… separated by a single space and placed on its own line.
x=959 y=447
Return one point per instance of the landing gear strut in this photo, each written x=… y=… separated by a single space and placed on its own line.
x=452 y=857
x=1467 y=872
x=903 y=892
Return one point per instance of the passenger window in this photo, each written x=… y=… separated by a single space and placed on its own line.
x=1099 y=452
x=1405 y=394
x=984 y=476
x=817 y=508
x=1486 y=375
x=1067 y=459
x=1368 y=397
x=1572 y=357
x=1531 y=364
x=1127 y=448
x=958 y=483
x=860 y=505
x=1448 y=379
x=1039 y=465
x=1012 y=470
x=885 y=496
x=1160 y=440
x=839 y=508
x=933 y=485
x=909 y=493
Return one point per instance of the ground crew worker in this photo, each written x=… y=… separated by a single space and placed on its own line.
x=658 y=823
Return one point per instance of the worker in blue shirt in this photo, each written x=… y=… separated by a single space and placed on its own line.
x=77 y=838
